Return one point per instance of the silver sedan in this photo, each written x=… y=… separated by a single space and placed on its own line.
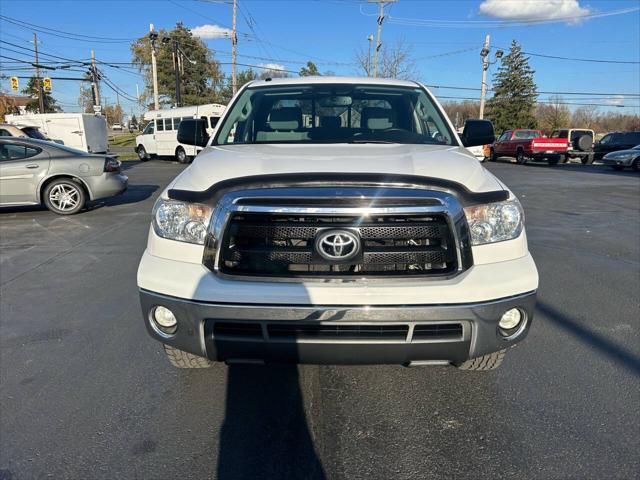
x=34 y=172
x=623 y=158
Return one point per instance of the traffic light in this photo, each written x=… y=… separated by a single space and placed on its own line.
x=15 y=85
x=47 y=84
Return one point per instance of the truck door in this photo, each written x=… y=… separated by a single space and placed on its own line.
x=67 y=129
x=22 y=168
x=500 y=146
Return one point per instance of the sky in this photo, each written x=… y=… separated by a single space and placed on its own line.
x=444 y=38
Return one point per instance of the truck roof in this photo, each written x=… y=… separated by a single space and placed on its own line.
x=332 y=79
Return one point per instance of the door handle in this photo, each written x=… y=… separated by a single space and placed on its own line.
x=32 y=165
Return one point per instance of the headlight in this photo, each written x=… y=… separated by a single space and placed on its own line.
x=185 y=222
x=495 y=222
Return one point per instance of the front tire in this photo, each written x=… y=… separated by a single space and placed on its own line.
x=636 y=165
x=492 y=156
x=182 y=359
x=142 y=153
x=181 y=155
x=484 y=363
x=64 y=197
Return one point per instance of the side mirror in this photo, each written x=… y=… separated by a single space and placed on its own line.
x=193 y=131
x=477 y=132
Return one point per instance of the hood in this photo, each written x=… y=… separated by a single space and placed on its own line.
x=215 y=164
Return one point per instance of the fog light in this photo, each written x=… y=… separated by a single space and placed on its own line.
x=510 y=319
x=163 y=320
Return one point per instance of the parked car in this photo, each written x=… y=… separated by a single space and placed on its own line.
x=579 y=144
x=525 y=144
x=34 y=172
x=116 y=127
x=26 y=131
x=623 y=158
x=337 y=220
x=159 y=137
x=615 y=141
x=82 y=131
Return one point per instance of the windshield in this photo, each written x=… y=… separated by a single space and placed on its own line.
x=334 y=113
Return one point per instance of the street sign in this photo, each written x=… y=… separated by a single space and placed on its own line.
x=97 y=108
x=15 y=85
x=47 y=84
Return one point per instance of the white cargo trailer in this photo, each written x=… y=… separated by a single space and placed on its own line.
x=83 y=131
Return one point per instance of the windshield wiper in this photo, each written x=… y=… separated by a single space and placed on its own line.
x=373 y=141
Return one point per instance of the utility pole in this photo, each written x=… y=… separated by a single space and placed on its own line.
x=94 y=80
x=485 y=66
x=38 y=86
x=484 y=53
x=370 y=39
x=176 y=64
x=153 y=36
x=381 y=4
x=234 y=46
x=138 y=101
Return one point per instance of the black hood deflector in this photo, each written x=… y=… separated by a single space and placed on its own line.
x=282 y=180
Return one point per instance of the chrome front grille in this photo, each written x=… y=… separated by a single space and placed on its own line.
x=271 y=234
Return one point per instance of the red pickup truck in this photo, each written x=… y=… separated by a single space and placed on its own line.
x=523 y=145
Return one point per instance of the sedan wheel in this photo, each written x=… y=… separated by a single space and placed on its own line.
x=64 y=197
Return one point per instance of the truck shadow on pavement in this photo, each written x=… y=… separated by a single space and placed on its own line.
x=265 y=432
x=613 y=351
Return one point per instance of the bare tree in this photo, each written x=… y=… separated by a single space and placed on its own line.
x=585 y=117
x=553 y=114
x=393 y=62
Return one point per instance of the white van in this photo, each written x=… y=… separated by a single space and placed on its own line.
x=83 y=131
x=159 y=137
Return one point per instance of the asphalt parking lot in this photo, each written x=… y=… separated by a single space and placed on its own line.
x=87 y=394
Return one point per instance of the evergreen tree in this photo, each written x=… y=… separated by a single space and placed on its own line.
x=514 y=93
x=243 y=77
x=311 y=70
x=50 y=105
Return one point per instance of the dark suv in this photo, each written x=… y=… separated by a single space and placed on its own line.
x=614 y=141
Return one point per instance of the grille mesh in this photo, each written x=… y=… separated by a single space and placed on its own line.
x=257 y=244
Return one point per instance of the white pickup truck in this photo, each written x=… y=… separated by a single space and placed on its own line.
x=341 y=221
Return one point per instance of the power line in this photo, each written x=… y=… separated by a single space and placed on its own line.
x=418 y=22
x=553 y=103
x=594 y=60
x=450 y=87
x=62 y=34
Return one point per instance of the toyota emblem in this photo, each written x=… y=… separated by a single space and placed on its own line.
x=337 y=245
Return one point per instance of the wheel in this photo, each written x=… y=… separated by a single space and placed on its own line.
x=182 y=359
x=553 y=161
x=587 y=159
x=485 y=362
x=181 y=155
x=492 y=156
x=64 y=197
x=636 y=164
x=520 y=158
x=142 y=153
x=563 y=158
x=617 y=168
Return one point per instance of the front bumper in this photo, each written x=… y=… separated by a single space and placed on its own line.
x=623 y=162
x=331 y=334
